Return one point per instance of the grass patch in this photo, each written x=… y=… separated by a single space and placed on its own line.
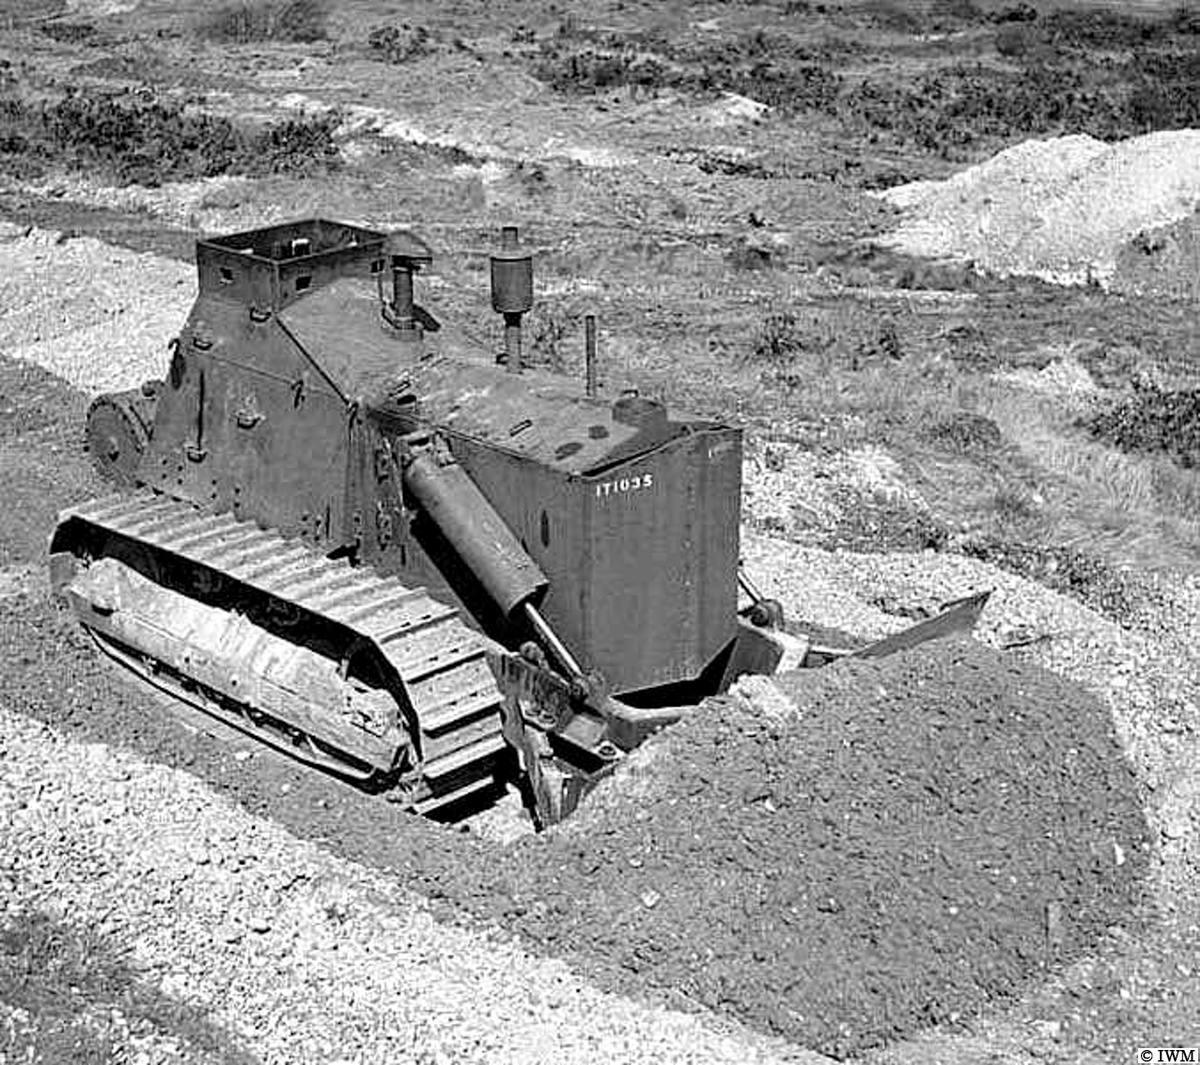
x=68 y=985
x=1115 y=31
x=767 y=67
x=129 y=138
x=1105 y=74
x=1109 y=75
x=872 y=525
x=292 y=21
x=76 y=32
x=993 y=463
x=401 y=44
x=794 y=347
x=963 y=431
x=1078 y=574
x=1140 y=508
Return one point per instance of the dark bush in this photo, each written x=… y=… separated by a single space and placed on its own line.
x=1015 y=39
x=886 y=525
x=297 y=146
x=780 y=338
x=952 y=110
x=137 y=139
x=964 y=431
x=69 y=32
x=1164 y=94
x=1068 y=570
x=1111 y=30
x=593 y=70
x=398 y=44
x=1152 y=420
x=248 y=21
x=882 y=342
x=788 y=88
x=774 y=70
x=1017 y=13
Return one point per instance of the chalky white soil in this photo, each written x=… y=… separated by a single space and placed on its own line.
x=1059 y=209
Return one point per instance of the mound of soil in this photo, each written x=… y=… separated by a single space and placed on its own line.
x=915 y=837
x=1059 y=209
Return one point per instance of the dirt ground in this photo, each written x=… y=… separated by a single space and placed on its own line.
x=702 y=177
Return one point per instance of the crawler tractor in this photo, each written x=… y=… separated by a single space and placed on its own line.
x=427 y=569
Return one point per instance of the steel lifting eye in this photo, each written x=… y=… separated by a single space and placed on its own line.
x=249 y=414
x=299 y=391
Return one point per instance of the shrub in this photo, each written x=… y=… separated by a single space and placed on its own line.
x=963 y=430
x=398 y=44
x=781 y=338
x=70 y=32
x=1152 y=420
x=1017 y=13
x=248 y=21
x=1068 y=570
x=1015 y=39
x=137 y=139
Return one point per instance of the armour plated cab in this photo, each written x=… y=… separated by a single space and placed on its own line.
x=428 y=569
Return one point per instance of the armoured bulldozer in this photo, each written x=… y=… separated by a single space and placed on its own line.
x=427 y=569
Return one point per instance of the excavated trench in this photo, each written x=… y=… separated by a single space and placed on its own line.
x=899 y=844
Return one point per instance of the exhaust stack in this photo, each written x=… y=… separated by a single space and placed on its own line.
x=512 y=292
x=409 y=255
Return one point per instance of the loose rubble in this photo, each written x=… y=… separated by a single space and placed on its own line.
x=285 y=953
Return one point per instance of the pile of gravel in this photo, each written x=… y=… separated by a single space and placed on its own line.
x=893 y=845
x=191 y=931
x=1058 y=209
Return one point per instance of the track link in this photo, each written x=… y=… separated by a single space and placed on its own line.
x=445 y=737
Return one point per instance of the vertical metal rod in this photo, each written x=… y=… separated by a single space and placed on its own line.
x=512 y=342
x=589 y=325
x=199 y=446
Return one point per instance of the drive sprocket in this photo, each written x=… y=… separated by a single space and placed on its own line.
x=119 y=426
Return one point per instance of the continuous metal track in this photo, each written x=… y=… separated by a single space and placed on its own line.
x=439 y=736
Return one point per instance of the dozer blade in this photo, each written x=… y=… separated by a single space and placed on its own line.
x=339 y=667
x=959 y=615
